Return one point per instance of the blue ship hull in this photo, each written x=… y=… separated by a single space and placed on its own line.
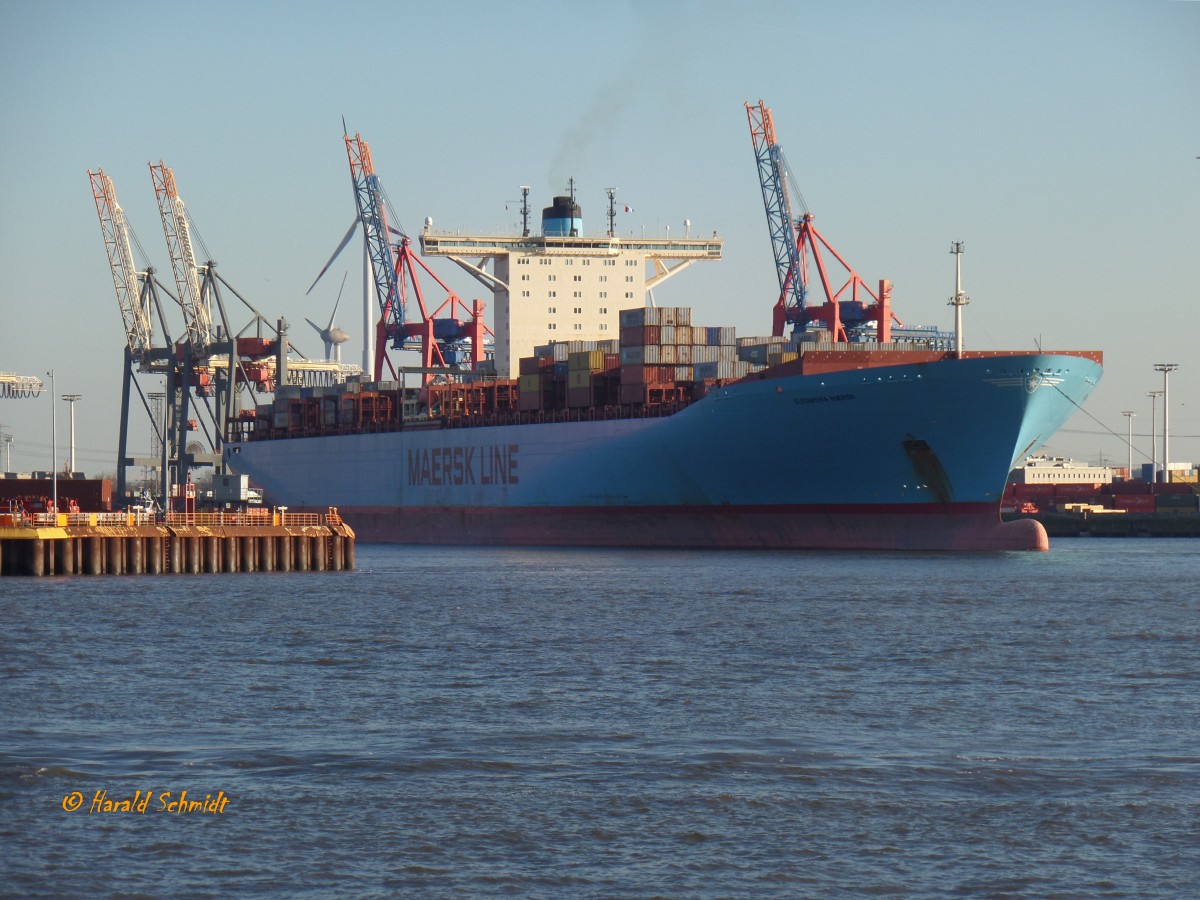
x=907 y=456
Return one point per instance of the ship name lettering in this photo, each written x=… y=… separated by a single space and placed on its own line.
x=827 y=398
x=445 y=466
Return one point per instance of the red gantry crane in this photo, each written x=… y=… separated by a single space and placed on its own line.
x=847 y=312
x=440 y=336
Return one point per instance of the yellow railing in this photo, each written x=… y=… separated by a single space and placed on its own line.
x=256 y=518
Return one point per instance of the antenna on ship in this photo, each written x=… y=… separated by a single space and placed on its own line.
x=959 y=300
x=612 y=211
x=524 y=210
x=571 y=193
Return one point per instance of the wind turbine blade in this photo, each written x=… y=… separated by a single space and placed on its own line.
x=340 y=248
x=320 y=330
x=339 y=300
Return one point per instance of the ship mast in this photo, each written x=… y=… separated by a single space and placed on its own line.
x=959 y=300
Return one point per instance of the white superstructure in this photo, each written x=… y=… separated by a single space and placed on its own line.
x=549 y=288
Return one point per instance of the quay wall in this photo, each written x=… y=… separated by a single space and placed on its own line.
x=209 y=543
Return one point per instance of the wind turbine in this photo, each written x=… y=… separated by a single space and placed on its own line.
x=332 y=335
x=369 y=308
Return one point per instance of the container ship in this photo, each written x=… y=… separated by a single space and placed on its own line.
x=601 y=422
x=855 y=447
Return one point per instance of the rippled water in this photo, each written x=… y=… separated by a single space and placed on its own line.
x=548 y=723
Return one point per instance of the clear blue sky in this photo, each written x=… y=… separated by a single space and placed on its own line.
x=1058 y=140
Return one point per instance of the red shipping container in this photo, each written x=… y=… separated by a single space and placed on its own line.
x=641 y=335
x=1035 y=490
x=254 y=346
x=1134 y=502
x=1083 y=490
x=1132 y=487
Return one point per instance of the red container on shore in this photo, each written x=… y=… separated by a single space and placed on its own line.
x=1134 y=502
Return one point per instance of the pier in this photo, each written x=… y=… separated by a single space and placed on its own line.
x=189 y=543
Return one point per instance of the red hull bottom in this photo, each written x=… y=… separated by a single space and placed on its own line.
x=964 y=526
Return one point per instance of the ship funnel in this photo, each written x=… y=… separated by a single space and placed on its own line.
x=563 y=219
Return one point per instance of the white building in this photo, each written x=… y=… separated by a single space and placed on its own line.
x=1059 y=470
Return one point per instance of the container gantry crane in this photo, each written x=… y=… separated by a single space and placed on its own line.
x=848 y=311
x=440 y=337
x=208 y=361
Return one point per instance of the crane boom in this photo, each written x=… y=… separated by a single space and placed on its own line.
x=197 y=318
x=135 y=309
x=772 y=176
x=368 y=197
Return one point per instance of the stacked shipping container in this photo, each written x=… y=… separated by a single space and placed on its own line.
x=664 y=355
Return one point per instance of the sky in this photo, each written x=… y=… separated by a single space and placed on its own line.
x=1057 y=139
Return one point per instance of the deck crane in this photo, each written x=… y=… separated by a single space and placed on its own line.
x=849 y=311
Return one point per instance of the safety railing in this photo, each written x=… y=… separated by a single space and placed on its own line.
x=253 y=518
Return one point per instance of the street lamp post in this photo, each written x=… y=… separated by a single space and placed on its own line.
x=53 y=445
x=1166 y=369
x=72 y=398
x=1129 y=414
x=1153 y=395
